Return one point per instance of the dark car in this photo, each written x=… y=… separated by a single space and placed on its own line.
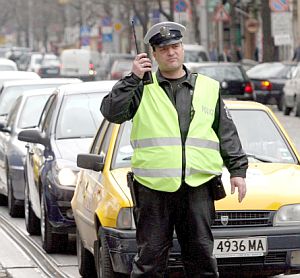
x=269 y=80
x=25 y=113
x=67 y=126
x=234 y=82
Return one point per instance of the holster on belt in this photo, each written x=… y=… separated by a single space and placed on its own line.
x=130 y=179
x=217 y=188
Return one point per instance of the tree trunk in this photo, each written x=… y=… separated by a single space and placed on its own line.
x=269 y=50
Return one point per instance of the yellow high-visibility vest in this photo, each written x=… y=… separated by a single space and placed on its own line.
x=156 y=139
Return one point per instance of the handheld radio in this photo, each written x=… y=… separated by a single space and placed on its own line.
x=147 y=78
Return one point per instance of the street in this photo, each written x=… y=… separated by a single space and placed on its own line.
x=20 y=261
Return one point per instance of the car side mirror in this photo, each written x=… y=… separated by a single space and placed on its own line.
x=4 y=127
x=33 y=136
x=93 y=162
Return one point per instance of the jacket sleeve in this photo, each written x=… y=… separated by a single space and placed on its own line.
x=122 y=102
x=231 y=149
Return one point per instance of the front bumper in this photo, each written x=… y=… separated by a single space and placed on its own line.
x=283 y=254
x=59 y=210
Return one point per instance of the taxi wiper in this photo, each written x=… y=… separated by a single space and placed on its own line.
x=260 y=158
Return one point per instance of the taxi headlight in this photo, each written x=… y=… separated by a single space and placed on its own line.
x=288 y=215
x=125 y=219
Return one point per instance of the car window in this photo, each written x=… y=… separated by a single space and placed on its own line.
x=13 y=112
x=45 y=110
x=222 y=73
x=105 y=142
x=47 y=113
x=79 y=116
x=123 y=150
x=264 y=139
x=10 y=94
x=31 y=111
x=6 y=68
x=99 y=137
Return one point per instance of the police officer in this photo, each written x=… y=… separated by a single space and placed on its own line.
x=182 y=134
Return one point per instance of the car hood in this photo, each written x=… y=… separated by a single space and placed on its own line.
x=69 y=148
x=269 y=186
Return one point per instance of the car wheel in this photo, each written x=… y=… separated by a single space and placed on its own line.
x=51 y=241
x=86 y=262
x=104 y=265
x=13 y=209
x=31 y=221
x=3 y=200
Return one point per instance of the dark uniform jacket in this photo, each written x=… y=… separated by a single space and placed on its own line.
x=122 y=102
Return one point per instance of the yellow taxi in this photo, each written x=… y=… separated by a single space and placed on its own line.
x=261 y=235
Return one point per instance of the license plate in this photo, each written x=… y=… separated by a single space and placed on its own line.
x=52 y=71
x=240 y=247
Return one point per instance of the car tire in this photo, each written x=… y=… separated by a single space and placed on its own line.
x=3 y=200
x=32 y=222
x=13 y=209
x=104 y=265
x=51 y=242
x=86 y=262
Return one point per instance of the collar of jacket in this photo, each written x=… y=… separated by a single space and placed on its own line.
x=190 y=80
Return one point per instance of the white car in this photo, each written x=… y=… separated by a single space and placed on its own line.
x=17 y=75
x=291 y=91
x=7 y=65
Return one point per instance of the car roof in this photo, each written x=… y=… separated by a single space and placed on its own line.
x=209 y=64
x=43 y=91
x=90 y=86
x=41 y=81
x=252 y=105
x=18 y=75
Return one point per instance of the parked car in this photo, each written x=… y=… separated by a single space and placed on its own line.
x=259 y=236
x=68 y=124
x=32 y=61
x=120 y=68
x=12 y=89
x=194 y=53
x=107 y=60
x=7 y=65
x=80 y=63
x=25 y=113
x=17 y=75
x=49 y=68
x=248 y=63
x=8 y=95
x=234 y=82
x=269 y=79
x=291 y=91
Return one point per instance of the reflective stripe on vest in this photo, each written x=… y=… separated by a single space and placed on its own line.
x=156 y=139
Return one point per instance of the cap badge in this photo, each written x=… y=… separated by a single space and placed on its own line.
x=165 y=32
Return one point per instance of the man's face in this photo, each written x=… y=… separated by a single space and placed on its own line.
x=169 y=57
